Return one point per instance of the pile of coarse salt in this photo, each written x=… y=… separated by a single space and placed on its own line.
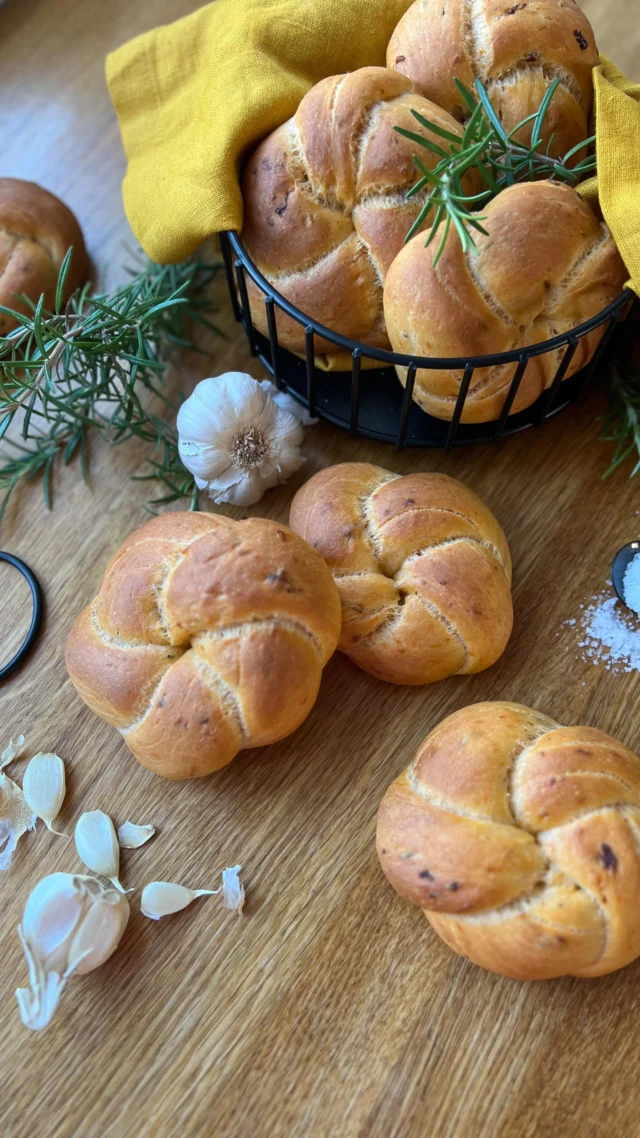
x=611 y=634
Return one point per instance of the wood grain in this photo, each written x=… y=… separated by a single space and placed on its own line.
x=330 y=1008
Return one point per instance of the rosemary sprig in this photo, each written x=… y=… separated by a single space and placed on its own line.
x=89 y=369
x=621 y=424
x=500 y=160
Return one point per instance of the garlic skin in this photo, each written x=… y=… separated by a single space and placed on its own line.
x=288 y=403
x=71 y=924
x=232 y=889
x=163 y=898
x=44 y=786
x=131 y=837
x=97 y=846
x=16 y=818
x=12 y=751
x=236 y=440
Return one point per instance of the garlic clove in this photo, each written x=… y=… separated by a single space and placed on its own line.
x=71 y=924
x=44 y=787
x=232 y=889
x=97 y=846
x=163 y=898
x=11 y=751
x=131 y=837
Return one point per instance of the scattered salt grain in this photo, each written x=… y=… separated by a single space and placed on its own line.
x=610 y=636
x=631 y=583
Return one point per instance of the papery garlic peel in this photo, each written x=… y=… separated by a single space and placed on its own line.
x=131 y=837
x=97 y=845
x=15 y=818
x=163 y=898
x=71 y=924
x=44 y=787
x=11 y=751
x=232 y=889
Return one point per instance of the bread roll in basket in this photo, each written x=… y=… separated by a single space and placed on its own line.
x=36 y=232
x=516 y=47
x=325 y=203
x=520 y=839
x=206 y=636
x=546 y=265
x=422 y=566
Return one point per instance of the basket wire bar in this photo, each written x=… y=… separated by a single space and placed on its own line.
x=356 y=359
x=273 y=341
x=549 y=395
x=373 y=404
x=511 y=394
x=247 y=322
x=228 y=268
x=407 y=400
x=588 y=371
x=460 y=401
x=310 y=354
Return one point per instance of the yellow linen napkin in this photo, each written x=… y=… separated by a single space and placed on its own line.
x=617 y=186
x=194 y=97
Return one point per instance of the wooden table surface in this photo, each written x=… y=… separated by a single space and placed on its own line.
x=329 y=1008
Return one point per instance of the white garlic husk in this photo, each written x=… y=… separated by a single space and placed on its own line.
x=163 y=898
x=16 y=817
x=44 y=787
x=12 y=751
x=132 y=836
x=232 y=888
x=97 y=845
x=236 y=440
x=71 y=924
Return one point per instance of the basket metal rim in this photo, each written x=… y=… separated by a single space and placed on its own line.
x=429 y=363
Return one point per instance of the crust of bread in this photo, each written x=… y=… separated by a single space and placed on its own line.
x=516 y=47
x=519 y=839
x=325 y=203
x=207 y=636
x=422 y=567
x=546 y=265
x=36 y=232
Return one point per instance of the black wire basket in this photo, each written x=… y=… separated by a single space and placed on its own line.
x=379 y=407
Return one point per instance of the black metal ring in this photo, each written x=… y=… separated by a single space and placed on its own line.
x=36 y=618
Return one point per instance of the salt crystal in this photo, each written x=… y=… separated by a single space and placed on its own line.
x=631 y=583
x=611 y=638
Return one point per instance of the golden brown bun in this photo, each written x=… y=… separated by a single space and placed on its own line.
x=36 y=231
x=325 y=202
x=520 y=839
x=207 y=636
x=546 y=266
x=422 y=567
x=516 y=49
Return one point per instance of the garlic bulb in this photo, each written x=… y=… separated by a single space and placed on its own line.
x=70 y=924
x=162 y=898
x=236 y=440
x=131 y=837
x=97 y=845
x=43 y=786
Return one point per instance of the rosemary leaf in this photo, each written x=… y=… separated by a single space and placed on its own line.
x=83 y=370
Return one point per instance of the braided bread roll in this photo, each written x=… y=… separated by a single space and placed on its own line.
x=36 y=232
x=325 y=202
x=520 y=839
x=207 y=636
x=516 y=48
x=422 y=567
x=546 y=266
